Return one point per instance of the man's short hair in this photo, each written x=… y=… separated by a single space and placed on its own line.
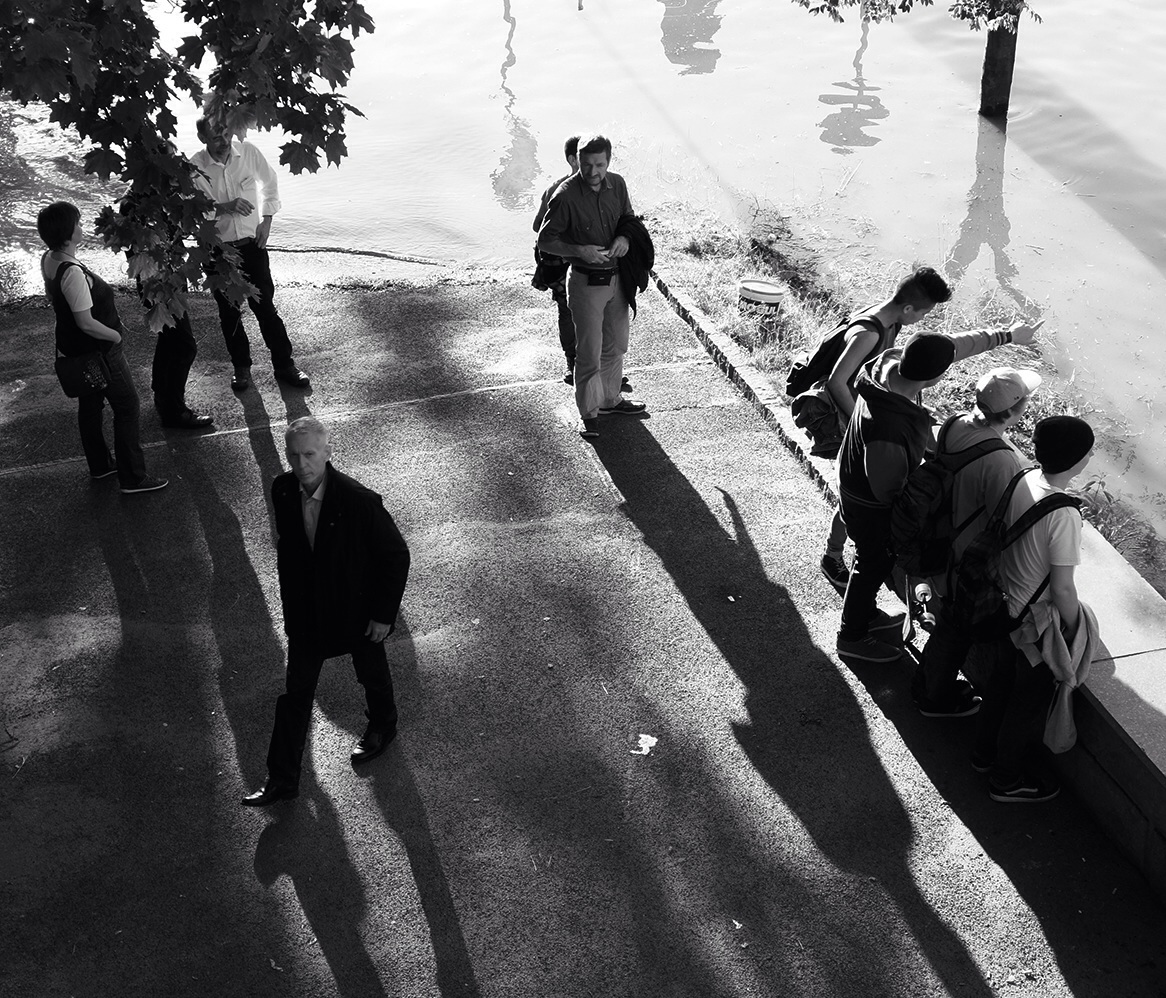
x=571 y=147
x=594 y=144
x=305 y=425
x=56 y=223
x=204 y=125
x=922 y=287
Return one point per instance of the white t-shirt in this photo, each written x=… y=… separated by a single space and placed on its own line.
x=74 y=283
x=1055 y=539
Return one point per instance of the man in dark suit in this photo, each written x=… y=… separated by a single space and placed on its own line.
x=342 y=571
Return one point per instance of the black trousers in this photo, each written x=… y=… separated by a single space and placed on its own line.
x=257 y=270
x=293 y=709
x=566 y=322
x=173 y=356
x=1011 y=720
x=870 y=529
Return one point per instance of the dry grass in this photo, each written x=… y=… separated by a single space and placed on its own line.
x=708 y=257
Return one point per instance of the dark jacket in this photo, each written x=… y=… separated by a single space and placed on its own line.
x=634 y=266
x=885 y=439
x=355 y=574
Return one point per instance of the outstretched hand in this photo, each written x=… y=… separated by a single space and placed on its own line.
x=1023 y=333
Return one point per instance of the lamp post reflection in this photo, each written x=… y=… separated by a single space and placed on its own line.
x=858 y=109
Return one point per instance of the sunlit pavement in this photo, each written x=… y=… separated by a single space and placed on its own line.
x=629 y=763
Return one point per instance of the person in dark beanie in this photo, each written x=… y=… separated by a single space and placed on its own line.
x=886 y=438
x=1041 y=564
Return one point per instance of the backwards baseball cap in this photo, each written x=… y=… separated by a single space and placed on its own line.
x=1060 y=442
x=1002 y=387
x=926 y=356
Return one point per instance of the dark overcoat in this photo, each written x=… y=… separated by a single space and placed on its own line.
x=355 y=573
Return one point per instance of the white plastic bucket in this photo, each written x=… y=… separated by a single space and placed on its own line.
x=762 y=298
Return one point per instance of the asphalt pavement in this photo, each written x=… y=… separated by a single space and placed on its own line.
x=629 y=763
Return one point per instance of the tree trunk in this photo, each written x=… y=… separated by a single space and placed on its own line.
x=999 y=60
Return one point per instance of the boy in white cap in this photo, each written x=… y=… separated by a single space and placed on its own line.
x=1001 y=398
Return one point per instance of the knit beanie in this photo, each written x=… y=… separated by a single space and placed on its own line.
x=1060 y=442
x=926 y=356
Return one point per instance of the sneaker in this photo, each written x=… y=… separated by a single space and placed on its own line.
x=104 y=474
x=836 y=573
x=624 y=407
x=569 y=377
x=625 y=385
x=962 y=703
x=1024 y=791
x=292 y=376
x=980 y=764
x=147 y=484
x=884 y=624
x=868 y=649
x=241 y=379
x=590 y=429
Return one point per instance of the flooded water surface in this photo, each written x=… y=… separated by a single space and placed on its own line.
x=867 y=134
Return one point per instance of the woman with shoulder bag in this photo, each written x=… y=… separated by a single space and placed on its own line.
x=91 y=363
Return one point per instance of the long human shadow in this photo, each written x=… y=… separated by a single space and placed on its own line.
x=305 y=843
x=986 y=222
x=403 y=807
x=251 y=657
x=805 y=734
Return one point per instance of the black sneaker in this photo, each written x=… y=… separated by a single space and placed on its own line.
x=104 y=474
x=590 y=429
x=980 y=764
x=147 y=484
x=836 y=573
x=868 y=649
x=1026 y=790
x=569 y=377
x=962 y=703
x=625 y=385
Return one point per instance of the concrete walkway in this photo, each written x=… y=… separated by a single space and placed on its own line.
x=629 y=763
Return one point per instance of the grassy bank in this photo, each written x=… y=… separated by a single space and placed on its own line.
x=708 y=256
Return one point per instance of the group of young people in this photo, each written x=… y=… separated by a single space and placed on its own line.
x=876 y=390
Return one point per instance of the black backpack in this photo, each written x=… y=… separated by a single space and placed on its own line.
x=922 y=528
x=978 y=601
x=808 y=369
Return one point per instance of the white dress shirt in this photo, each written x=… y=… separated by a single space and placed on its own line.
x=241 y=176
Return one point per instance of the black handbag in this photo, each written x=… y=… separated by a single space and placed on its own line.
x=82 y=375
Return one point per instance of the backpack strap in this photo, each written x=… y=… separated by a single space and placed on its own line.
x=1038 y=511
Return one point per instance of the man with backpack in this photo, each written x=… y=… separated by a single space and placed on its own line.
x=1038 y=574
x=823 y=384
x=974 y=462
x=884 y=442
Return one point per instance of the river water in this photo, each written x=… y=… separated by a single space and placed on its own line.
x=867 y=135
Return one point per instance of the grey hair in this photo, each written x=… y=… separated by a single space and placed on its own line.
x=304 y=425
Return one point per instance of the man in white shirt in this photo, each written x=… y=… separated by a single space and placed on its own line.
x=233 y=172
x=1016 y=699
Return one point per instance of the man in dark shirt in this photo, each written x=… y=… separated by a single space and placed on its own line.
x=580 y=225
x=551 y=271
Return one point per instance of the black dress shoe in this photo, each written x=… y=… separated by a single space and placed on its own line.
x=241 y=379
x=188 y=420
x=271 y=792
x=374 y=742
x=292 y=376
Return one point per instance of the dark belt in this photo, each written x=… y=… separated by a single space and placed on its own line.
x=592 y=270
x=240 y=242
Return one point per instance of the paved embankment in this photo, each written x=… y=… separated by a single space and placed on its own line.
x=794 y=829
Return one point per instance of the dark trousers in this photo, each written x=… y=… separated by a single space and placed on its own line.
x=293 y=709
x=870 y=529
x=1012 y=715
x=566 y=323
x=257 y=270
x=123 y=400
x=173 y=356
x=943 y=656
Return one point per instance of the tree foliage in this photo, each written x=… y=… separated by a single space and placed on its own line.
x=978 y=13
x=99 y=67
